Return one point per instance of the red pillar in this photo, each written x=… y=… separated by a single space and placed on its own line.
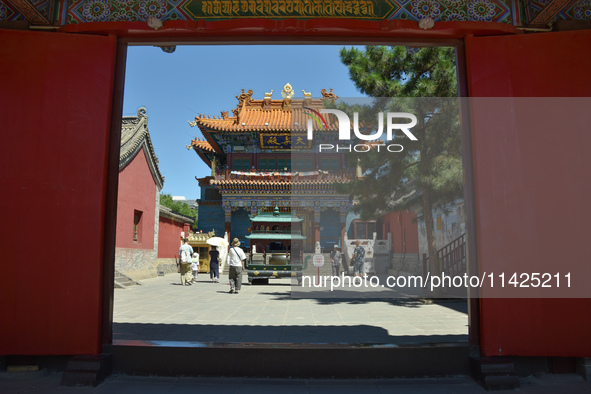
x=228 y=227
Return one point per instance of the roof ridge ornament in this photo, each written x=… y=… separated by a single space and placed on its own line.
x=287 y=94
x=307 y=97
x=328 y=95
x=267 y=100
x=141 y=112
x=244 y=98
x=287 y=91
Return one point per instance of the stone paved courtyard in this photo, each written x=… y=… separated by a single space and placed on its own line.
x=163 y=310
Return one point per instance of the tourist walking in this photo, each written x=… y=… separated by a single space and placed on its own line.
x=185 y=253
x=236 y=259
x=335 y=257
x=195 y=266
x=358 y=255
x=214 y=265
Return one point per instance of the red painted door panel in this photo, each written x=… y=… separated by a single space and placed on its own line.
x=55 y=107
x=532 y=188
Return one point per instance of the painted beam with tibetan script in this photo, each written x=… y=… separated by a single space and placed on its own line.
x=359 y=9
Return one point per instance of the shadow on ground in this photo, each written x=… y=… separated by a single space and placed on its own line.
x=351 y=335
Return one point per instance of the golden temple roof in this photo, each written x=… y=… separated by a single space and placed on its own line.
x=202 y=144
x=270 y=115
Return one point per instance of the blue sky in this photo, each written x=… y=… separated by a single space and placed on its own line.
x=174 y=88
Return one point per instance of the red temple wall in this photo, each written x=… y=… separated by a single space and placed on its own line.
x=515 y=159
x=404 y=230
x=56 y=110
x=137 y=191
x=169 y=238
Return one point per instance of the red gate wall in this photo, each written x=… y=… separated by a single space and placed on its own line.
x=55 y=117
x=55 y=113
x=537 y=65
x=136 y=176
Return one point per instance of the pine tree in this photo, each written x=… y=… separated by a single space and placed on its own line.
x=428 y=172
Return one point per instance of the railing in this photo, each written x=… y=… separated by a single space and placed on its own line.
x=272 y=232
x=452 y=258
x=265 y=257
x=294 y=175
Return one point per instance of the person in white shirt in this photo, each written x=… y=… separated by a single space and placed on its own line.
x=236 y=259
x=185 y=253
x=195 y=266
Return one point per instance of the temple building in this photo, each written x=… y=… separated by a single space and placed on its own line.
x=260 y=159
x=148 y=234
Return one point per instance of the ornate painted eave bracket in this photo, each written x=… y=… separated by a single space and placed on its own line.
x=29 y=11
x=549 y=12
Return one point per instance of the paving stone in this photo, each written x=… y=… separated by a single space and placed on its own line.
x=161 y=309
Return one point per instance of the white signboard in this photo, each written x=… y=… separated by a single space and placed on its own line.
x=318 y=260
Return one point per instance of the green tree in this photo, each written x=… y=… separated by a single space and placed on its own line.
x=429 y=171
x=179 y=207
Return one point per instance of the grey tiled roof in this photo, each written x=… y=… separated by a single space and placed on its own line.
x=134 y=137
x=169 y=213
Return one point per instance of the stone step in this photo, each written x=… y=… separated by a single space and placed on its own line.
x=87 y=370
x=494 y=373
x=122 y=281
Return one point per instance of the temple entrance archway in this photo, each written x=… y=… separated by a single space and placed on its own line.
x=472 y=54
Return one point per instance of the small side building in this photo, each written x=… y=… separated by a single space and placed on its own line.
x=146 y=231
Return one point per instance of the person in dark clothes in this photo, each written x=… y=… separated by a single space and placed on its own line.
x=214 y=265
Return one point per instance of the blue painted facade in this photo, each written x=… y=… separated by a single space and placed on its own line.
x=211 y=217
x=330 y=227
x=240 y=225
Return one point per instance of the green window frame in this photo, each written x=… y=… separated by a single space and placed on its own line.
x=334 y=164
x=329 y=164
x=262 y=164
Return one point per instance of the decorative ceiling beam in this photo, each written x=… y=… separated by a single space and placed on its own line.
x=29 y=11
x=549 y=12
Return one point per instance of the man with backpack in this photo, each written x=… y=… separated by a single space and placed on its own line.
x=185 y=253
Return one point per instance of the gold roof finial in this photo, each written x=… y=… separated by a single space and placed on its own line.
x=287 y=91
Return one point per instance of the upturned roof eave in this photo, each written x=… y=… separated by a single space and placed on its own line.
x=140 y=139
